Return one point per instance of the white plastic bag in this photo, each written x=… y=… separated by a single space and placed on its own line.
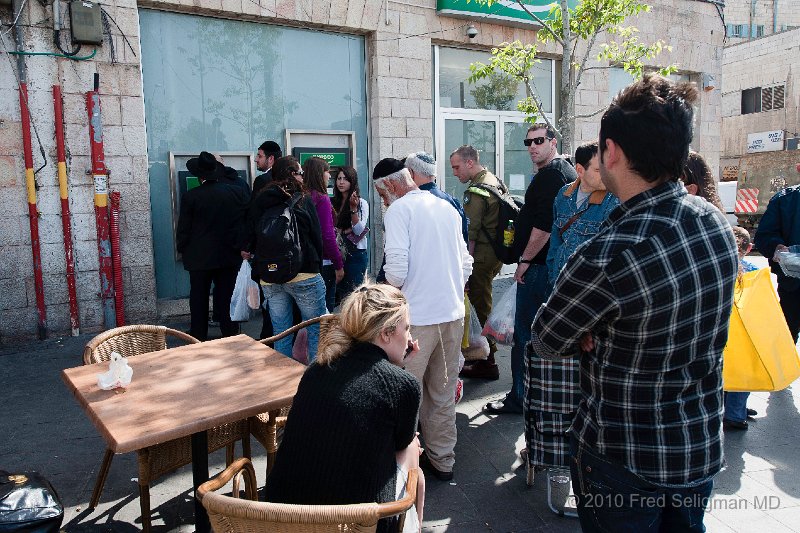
x=119 y=373
x=241 y=301
x=478 y=348
x=500 y=324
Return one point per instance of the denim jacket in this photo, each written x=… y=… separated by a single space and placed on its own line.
x=583 y=228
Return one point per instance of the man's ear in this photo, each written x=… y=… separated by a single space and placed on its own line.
x=579 y=169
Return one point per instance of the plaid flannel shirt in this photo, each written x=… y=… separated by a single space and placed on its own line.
x=655 y=289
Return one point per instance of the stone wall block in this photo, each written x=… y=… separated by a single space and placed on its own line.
x=415 y=48
x=381 y=107
x=135 y=139
x=404 y=146
x=14 y=294
x=16 y=261
x=51 y=231
x=78 y=76
x=83 y=227
x=119 y=170
x=14 y=200
x=53 y=260
x=18 y=323
x=10 y=173
x=389 y=87
x=413 y=23
x=338 y=12
x=81 y=198
x=402 y=107
x=9 y=107
x=408 y=68
x=110 y=111
x=419 y=89
x=11 y=137
x=136 y=224
x=132 y=111
x=392 y=127
x=77 y=138
x=419 y=127
x=355 y=13
x=10 y=232
x=130 y=81
x=87 y=257
x=132 y=197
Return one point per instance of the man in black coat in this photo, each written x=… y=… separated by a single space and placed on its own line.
x=209 y=228
x=267 y=153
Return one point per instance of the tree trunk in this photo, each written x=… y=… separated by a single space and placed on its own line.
x=566 y=122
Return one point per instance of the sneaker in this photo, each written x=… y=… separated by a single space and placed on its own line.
x=481 y=370
x=426 y=465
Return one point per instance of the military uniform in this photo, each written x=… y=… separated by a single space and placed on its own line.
x=483 y=209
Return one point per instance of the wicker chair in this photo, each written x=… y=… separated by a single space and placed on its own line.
x=265 y=426
x=155 y=461
x=234 y=515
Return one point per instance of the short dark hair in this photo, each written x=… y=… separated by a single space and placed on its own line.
x=551 y=133
x=743 y=239
x=651 y=121
x=585 y=152
x=467 y=153
x=314 y=174
x=271 y=148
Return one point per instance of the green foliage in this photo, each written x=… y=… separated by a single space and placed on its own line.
x=587 y=20
x=498 y=93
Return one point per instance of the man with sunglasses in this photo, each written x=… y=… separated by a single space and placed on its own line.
x=534 y=222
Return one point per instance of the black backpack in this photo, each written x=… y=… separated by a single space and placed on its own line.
x=509 y=210
x=279 y=256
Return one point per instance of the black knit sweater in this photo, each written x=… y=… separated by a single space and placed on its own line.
x=346 y=423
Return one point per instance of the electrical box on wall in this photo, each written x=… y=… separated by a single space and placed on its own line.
x=86 y=23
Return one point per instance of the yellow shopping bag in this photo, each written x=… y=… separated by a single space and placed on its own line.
x=760 y=354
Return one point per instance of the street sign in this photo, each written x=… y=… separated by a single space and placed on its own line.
x=765 y=141
x=508 y=10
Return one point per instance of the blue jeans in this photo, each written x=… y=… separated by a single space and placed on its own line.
x=736 y=406
x=355 y=266
x=310 y=297
x=530 y=296
x=611 y=498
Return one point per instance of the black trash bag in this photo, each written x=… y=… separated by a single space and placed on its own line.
x=28 y=504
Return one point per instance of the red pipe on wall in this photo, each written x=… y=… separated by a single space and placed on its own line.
x=66 y=218
x=116 y=260
x=33 y=212
x=101 y=204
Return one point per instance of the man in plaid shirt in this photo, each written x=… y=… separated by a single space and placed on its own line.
x=646 y=305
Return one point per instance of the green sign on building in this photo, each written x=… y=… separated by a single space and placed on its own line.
x=334 y=159
x=508 y=10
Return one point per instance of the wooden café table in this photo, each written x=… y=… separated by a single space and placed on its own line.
x=185 y=391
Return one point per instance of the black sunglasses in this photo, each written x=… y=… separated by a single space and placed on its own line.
x=299 y=171
x=536 y=140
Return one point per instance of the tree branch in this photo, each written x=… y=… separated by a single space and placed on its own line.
x=582 y=64
x=538 y=101
x=592 y=114
x=544 y=24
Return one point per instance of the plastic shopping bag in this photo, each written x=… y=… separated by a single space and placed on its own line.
x=243 y=294
x=760 y=354
x=500 y=324
x=478 y=348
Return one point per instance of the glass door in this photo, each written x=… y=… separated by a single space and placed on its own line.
x=461 y=130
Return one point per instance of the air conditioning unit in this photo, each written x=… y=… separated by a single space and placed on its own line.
x=793 y=144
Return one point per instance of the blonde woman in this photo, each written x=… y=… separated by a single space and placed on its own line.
x=351 y=434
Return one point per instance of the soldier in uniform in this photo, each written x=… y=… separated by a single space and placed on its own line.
x=482 y=210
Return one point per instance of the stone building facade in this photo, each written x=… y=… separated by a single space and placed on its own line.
x=760 y=94
x=750 y=19
x=394 y=66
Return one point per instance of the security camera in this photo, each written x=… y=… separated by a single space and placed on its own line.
x=472 y=31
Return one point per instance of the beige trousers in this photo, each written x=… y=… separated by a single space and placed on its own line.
x=436 y=368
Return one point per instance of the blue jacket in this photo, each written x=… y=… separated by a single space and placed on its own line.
x=780 y=225
x=439 y=193
x=583 y=228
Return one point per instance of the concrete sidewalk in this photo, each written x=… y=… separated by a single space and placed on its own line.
x=44 y=429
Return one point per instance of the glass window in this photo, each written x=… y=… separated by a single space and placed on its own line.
x=478 y=133
x=225 y=85
x=516 y=161
x=751 y=101
x=497 y=93
x=618 y=79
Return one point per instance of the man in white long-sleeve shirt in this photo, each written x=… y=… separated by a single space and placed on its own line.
x=427 y=259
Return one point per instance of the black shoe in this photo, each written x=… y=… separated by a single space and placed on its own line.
x=735 y=424
x=480 y=370
x=426 y=465
x=751 y=412
x=503 y=407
